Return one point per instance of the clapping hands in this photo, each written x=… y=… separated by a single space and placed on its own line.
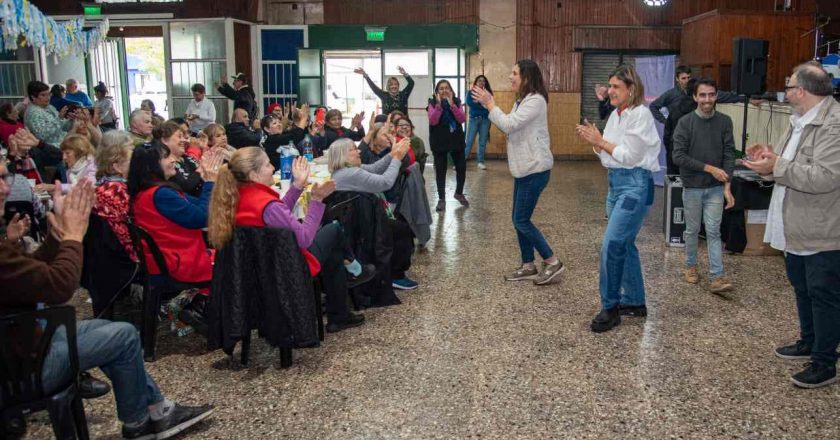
x=300 y=172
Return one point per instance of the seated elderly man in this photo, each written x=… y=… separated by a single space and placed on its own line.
x=140 y=126
x=50 y=276
x=239 y=132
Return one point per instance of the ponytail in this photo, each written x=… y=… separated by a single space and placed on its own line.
x=223 y=204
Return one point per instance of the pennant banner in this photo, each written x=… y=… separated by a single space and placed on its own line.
x=24 y=25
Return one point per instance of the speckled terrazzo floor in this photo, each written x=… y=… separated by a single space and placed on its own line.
x=470 y=356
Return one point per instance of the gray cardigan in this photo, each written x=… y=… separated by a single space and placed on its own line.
x=372 y=178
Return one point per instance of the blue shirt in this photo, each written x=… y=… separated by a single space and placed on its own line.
x=79 y=97
x=476 y=109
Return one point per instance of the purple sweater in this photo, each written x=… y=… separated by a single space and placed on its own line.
x=279 y=215
x=435 y=111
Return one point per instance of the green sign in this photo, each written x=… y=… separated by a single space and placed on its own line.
x=93 y=10
x=375 y=35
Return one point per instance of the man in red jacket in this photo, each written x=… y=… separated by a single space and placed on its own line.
x=50 y=276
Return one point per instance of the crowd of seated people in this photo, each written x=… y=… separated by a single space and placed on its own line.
x=189 y=191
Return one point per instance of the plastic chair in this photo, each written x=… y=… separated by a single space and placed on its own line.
x=153 y=291
x=25 y=341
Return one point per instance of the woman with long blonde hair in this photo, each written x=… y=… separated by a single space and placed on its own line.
x=243 y=197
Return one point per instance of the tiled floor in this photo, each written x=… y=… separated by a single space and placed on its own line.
x=470 y=356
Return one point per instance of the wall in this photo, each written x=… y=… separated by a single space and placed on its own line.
x=242 y=9
x=400 y=11
x=707 y=42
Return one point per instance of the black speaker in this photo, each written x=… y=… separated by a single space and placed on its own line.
x=749 y=66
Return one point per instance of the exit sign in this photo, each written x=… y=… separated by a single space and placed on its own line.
x=375 y=33
x=93 y=10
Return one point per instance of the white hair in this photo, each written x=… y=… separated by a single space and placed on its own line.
x=337 y=154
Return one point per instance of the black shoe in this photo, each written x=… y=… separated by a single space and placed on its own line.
x=638 y=311
x=354 y=320
x=145 y=431
x=91 y=388
x=180 y=418
x=815 y=375
x=368 y=272
x=606 y=320
x=793 y=352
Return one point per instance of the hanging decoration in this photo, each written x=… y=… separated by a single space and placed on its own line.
x=24 y=25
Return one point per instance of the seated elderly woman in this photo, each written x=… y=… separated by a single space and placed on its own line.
x=77 y=153
x=186 y=174
x=243 y=197
x=349 y=174
x=217 y=140
x=112 y=161
x=42 y=119
x=174 y=219
x=333 y=129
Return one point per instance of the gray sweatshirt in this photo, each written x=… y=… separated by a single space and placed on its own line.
x=701 y=141
x=373 y=178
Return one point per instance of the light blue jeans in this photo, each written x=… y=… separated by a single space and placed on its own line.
x=628 y=201
x=708 y=204
x=481 y=125
x=115 y=348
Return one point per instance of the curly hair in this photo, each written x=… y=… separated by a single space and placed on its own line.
x=225 y=198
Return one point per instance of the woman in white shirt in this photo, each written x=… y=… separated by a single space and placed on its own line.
x=530 y=161
x=629 y=149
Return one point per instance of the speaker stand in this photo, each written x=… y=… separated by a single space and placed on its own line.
x=744 y=125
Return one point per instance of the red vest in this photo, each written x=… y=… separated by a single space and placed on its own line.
x=253 y=199
x=184 y=250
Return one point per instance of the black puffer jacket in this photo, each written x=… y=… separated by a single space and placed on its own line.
x=261 y=280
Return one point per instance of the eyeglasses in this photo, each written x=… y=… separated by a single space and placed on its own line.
x=791 y=87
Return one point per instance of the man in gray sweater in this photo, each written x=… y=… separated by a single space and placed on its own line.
x=704 y=150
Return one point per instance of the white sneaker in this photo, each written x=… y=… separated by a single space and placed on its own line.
x=481 y=166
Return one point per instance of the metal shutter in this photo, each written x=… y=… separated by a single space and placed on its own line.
x=596 y=69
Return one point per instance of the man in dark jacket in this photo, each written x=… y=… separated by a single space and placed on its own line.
x=241 y=93
x=704 y=149
x=50 y=276
x=239 y=132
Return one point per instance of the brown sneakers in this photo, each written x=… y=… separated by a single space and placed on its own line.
x=720 y=285
x=690 y=275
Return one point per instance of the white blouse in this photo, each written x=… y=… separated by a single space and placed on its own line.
x=636 y=140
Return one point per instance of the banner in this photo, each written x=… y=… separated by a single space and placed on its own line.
x=657 y=75
x=24 y=25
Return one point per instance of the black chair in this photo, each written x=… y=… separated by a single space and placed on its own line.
x=153 y=291
x=262 y=281
x=25 y=341
x=108 y=271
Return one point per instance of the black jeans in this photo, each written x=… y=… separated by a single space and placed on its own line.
x=816 y=282
x=441 y=164
x=403 y=247
x=328 y=248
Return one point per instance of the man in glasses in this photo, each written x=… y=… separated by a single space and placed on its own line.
x=704 y=151
x=804 y=218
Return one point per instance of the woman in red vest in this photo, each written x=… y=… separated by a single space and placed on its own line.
x=243 y=197
x=174 y=219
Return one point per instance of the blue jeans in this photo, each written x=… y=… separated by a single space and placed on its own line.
x=115 y=348
x=629 y=198
x=816 y=282
x=526 y=194
x=708 y=204
x=481 y=125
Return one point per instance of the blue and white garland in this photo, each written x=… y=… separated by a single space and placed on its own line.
x=24 y=25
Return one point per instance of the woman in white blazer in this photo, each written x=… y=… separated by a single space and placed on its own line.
x=530 y=161
x=629 y=149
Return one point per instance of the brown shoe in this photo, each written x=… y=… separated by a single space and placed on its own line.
x=720 y=285
x=462 y=199
x=690 y=275
x=523 y=273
